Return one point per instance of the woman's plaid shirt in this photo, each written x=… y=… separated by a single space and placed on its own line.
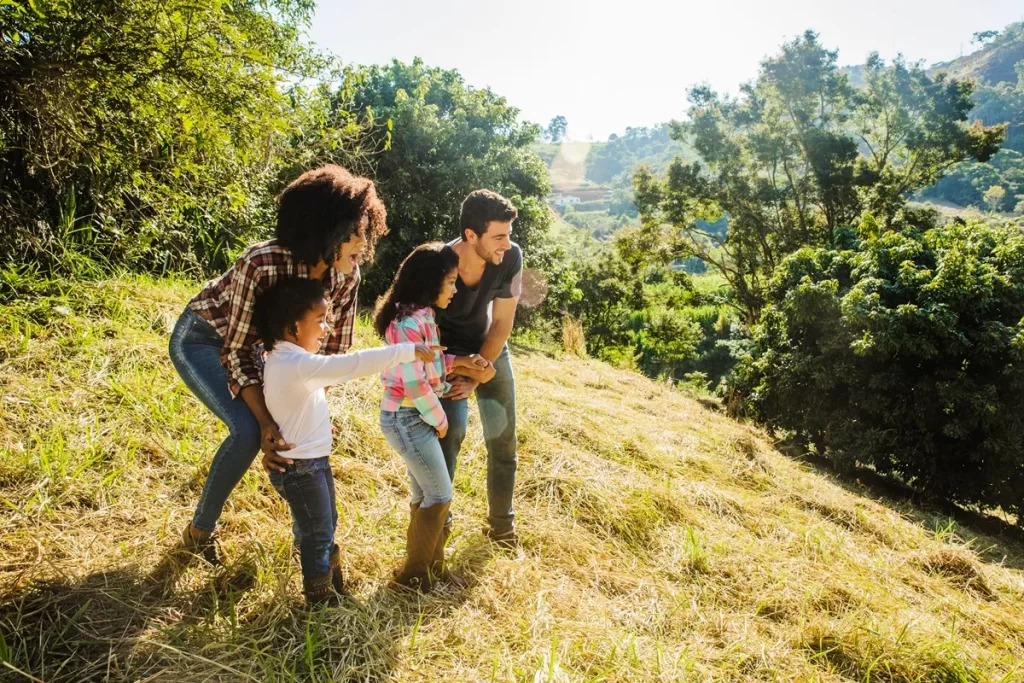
x=227 y=303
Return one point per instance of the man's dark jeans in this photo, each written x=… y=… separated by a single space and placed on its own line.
x=497 y=403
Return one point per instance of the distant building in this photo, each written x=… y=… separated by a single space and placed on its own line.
x=566 y=200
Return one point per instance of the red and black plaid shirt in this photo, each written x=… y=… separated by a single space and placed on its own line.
x=227 y=303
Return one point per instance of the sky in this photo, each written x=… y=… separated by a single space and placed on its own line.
x=608 y=65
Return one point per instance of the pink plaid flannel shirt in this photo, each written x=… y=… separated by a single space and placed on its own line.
x=417 y=384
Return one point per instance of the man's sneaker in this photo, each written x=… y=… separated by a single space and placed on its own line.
x=507 y=540
x=205 y=548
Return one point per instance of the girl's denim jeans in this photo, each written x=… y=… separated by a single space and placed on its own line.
x=308 y=486
x=416 y=441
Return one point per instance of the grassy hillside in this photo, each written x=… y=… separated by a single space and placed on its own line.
x=991 y=63
x=661 y=541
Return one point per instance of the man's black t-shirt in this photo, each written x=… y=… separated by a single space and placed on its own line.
x=464 y=323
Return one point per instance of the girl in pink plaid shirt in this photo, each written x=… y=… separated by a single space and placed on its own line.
x=411 y=416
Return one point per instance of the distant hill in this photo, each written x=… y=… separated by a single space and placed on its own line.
x=994 y=63
x=996 y=67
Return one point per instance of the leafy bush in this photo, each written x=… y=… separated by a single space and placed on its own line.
x=153 y=132
x=905 y=352
x=443 y=140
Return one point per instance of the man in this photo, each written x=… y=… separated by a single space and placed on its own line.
x=479 y=320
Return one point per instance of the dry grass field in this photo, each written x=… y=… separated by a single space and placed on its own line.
x=661 y=540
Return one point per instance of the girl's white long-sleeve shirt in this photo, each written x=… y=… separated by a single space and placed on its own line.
x=293 y=385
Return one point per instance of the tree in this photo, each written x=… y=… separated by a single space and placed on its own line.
x=904 y=352
x=982 y=36
x=556 y=129
x=436 y=140
x=798 y=156
x=152 y=132
x=994 y=197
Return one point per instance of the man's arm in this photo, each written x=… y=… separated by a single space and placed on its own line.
x=503 y=314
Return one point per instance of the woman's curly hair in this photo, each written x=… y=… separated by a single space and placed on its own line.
x=322 y=208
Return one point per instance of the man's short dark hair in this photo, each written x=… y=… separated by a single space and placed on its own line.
x=480 y=207
x=323 y=208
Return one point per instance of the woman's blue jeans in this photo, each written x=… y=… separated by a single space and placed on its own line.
x=195 y=352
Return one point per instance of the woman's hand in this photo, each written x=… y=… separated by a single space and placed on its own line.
x=272 y=442
x=427 y=353
x=442 y=431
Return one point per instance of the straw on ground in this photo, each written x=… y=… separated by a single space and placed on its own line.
x=661 y=540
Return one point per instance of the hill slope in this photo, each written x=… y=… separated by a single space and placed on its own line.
x=993 y=62
x=662 y=541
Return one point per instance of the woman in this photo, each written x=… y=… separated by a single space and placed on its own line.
x=328 y=221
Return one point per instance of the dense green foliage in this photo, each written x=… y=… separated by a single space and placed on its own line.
x=905 y=351
x=649 y=316
x=153 y=133
x=442 y=140
x=878 y=337
x=784 y=161
x=157 y=135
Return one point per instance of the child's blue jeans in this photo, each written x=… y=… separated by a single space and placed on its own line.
x=308 y=486
x=416 y=441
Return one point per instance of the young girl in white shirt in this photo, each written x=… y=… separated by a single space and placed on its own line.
x=292 y=319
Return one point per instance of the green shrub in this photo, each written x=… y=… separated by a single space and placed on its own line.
x=154 y=133
x=905 y=353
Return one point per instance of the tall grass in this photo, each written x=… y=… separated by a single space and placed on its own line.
x=661 y=541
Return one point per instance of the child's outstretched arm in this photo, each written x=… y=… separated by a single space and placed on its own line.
x=317 y=372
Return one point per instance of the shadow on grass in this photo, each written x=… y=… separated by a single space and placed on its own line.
x=994 y=539
x=125 y=624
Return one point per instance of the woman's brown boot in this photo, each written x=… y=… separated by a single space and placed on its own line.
x=204 y=545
